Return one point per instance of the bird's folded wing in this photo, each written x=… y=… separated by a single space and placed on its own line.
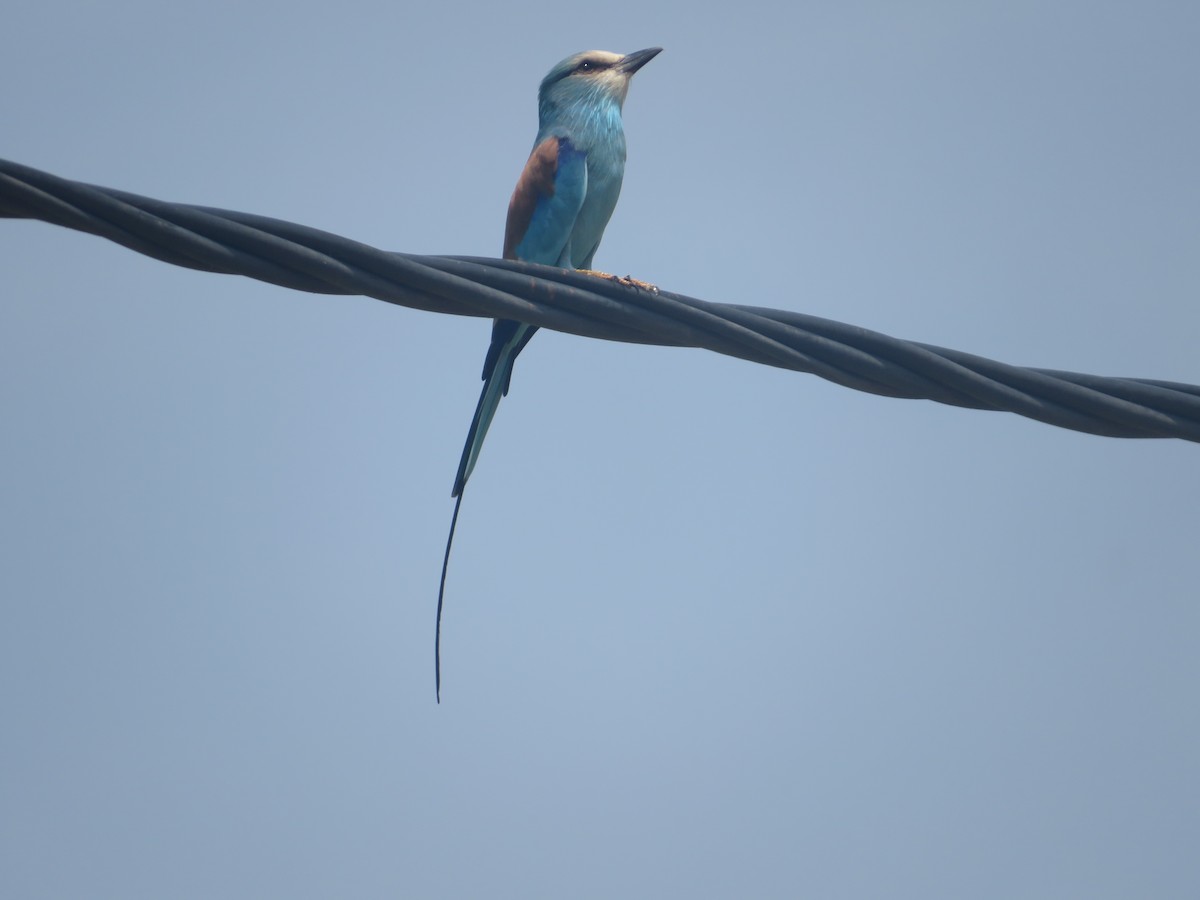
x=545 y=203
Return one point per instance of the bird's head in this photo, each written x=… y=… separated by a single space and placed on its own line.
x=591 y=79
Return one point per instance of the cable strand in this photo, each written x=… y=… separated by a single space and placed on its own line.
x=307 y=259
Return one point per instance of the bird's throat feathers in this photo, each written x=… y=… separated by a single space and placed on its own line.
x=590 y=117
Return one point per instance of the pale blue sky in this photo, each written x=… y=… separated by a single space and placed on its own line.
x=712 y=629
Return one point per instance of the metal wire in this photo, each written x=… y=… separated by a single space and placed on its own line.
x=306 y=259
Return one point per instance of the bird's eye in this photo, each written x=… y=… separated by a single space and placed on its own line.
x=586 y=66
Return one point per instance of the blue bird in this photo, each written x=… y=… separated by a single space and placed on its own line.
x=557 y=215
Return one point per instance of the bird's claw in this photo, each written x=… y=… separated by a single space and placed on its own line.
x=626 y=280
x=630 y=281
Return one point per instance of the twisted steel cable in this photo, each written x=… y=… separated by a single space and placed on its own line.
x=306 y=259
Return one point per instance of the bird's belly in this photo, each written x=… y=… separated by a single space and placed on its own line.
x=602 y=192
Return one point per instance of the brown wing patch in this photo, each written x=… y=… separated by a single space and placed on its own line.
x=536 y=180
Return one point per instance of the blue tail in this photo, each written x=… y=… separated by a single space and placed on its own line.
x=508 y=340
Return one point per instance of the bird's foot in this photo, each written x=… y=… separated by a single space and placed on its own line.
x=626 y=280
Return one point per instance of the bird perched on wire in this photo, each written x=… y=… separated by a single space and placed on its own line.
x=557 y=215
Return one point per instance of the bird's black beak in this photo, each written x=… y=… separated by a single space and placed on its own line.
x=631 y=62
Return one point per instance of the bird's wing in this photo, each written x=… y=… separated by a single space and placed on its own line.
x=546 y=202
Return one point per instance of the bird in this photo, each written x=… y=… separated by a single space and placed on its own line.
x=559 y=209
